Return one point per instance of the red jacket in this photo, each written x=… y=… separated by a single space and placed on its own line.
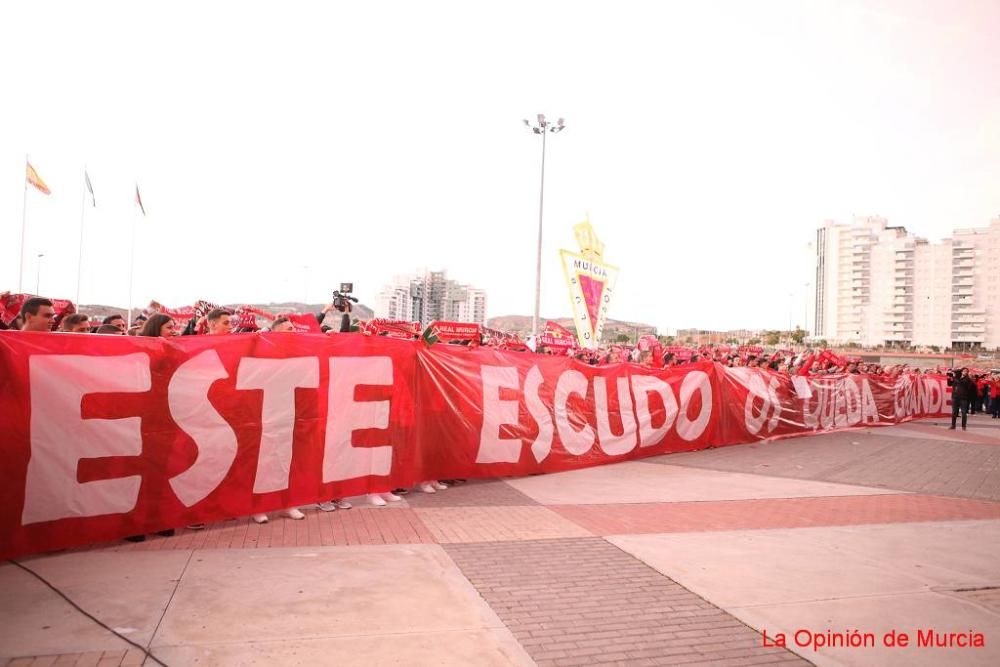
x=995 y=389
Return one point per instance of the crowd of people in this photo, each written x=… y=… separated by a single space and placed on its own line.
x=972 y=393
x=41 y=314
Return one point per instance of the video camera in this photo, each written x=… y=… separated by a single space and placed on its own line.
x=342 y=296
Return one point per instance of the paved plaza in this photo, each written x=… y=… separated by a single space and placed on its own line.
x=679 y=559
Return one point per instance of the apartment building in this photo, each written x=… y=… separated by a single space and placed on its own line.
x=429 y=295
x=878 y=284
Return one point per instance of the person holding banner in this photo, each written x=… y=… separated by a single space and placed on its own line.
x=75 y=323
x=283 y=325
x=158 y=325
x=37 y=314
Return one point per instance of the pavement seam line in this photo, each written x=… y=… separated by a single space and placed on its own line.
x=276 y=640
x=503 y=623
x=163 y=615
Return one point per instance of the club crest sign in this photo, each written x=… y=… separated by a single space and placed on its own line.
x=591 y=284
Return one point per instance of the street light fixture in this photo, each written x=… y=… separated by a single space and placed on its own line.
x=542 y=127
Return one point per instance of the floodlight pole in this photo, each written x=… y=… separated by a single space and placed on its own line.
x=542 y=127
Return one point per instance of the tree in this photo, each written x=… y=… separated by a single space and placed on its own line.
x=622 y=338
x=731 y=341
x=771 y=338
x=798 y=335
x=753 y=341
x=822 y=343
x=689 y=340
x=667 y=340
x=935 y=349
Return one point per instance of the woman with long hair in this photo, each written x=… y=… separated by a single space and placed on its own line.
x=158 y=325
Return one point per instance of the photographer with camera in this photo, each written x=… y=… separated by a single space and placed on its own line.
x=340 y=304
x=963 y=392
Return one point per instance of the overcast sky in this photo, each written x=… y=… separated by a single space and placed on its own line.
x=707 y=141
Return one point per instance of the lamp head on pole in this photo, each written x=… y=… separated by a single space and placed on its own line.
x=542 y=125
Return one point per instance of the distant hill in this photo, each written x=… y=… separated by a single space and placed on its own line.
x=360 y=311
x=521 y=324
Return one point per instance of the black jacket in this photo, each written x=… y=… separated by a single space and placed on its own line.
x=963 y=389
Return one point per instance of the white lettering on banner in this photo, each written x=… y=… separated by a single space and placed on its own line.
x=920 y=394
x=840 y=404
x=829 y=409
x=575 y=442
x=810 y=417
x=610 y=443
x=636 y=423
x=341 y=459
x=852 y=403
x=770 y=409
x=934 y=396
x=869 y=411
x=542 y=445
x=187 y=397
x=278 y=379
x=695 y=381
x=643 y=385
x=496 y=412
x=802 y=388
x=901 y=397
x=61 y=438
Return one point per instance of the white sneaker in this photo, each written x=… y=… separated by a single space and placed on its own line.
x=439 y=485
x=391 y=497
x=342 y=504
x=427 y=487
x=376 y=500
x=295 y=513
x=328 y=505
x=260 y=518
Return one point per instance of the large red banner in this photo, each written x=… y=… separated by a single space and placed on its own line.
x=108 y=436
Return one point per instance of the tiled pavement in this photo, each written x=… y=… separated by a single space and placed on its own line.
x=606 y=607
x=922 y=457
x=640 y=563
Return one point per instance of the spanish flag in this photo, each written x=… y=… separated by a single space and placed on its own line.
x=34 y=179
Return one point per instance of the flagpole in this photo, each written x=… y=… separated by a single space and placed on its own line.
x=24 y=225
x=131 y=271
x=79 y=261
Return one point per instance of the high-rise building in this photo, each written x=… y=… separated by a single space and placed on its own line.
x=428 y=296
x=880 y=285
